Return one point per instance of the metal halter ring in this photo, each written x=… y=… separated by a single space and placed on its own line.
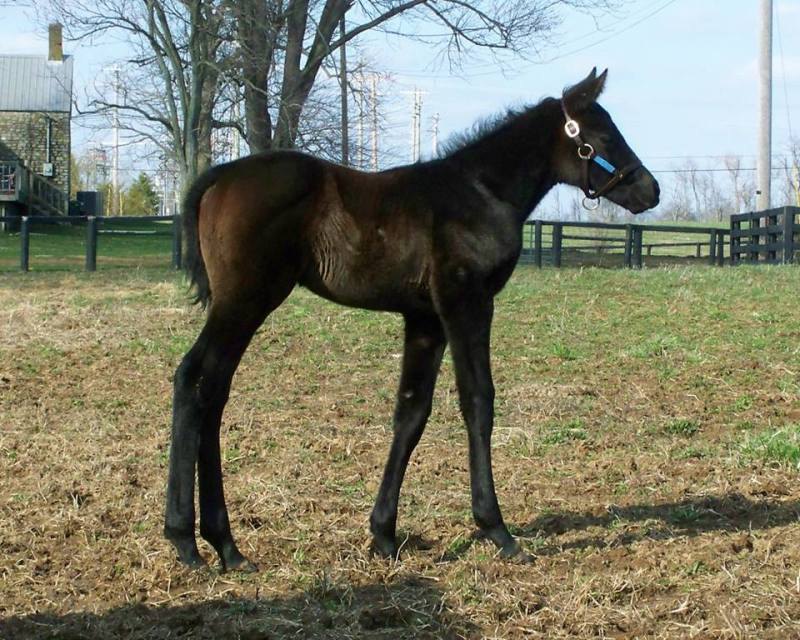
x=585 y=151
x=591 y=207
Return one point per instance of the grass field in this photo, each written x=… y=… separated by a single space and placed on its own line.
x=605 y=247
x=147 y=244
x=120 y=244
x=647 y=451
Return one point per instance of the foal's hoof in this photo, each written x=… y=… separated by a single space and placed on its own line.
x=514 y=553
x=188 y=554
x=232 y=559
x=384 y=547
x=195 y=563
x=242 y=564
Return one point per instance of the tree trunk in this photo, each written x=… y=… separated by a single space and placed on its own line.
x=258 y=24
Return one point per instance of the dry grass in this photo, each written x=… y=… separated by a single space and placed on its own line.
x=628 y=405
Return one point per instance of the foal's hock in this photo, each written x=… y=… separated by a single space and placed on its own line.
x=434 y=241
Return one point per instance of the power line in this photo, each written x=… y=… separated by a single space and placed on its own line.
x=711 y=170
x=783 y=71
x=611 y=35
x=493 y=65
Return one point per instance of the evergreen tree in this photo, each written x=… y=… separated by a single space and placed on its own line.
x=141 y=198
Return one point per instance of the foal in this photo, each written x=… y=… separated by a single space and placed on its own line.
x=434 y=241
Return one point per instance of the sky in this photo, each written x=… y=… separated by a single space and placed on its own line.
x=682 y=77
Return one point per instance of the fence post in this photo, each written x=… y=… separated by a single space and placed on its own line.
x=537 y=243
x=788 y=235
x=720 y=248
x=628 y=245
x=29 y=186
x=772 y=238
x=735 y=242
x=177 y=253
x=637 y=247
x=712 y=247
x=91 y=243
x=755 y=223
x=25 y=244
x=557 y=233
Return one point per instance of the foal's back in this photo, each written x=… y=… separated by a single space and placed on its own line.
x=360 y=239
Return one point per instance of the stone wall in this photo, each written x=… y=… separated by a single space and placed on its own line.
x=23 y=136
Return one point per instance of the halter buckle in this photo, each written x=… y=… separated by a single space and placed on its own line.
x=572 y=128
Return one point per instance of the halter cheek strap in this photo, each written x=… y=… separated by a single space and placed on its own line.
x=587 y=153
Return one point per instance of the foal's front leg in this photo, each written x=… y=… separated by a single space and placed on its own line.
x=467 y=318
x=422 y=356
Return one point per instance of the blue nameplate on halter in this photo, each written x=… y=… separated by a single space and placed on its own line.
x=605 y=164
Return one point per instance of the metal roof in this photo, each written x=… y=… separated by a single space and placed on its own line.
x=33 y=83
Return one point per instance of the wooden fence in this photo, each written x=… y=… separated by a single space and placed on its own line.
x=556 y=242
x=95 y=226
x=764 y=236
x=767 y=236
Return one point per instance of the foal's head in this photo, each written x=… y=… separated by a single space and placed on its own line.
x=593 y=155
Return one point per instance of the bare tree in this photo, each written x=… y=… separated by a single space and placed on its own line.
x=301 y=35
x=695 y=194
x=742 y=186
x=679 y=205
x=168 y=87
x=192 y=60
x=790 y=174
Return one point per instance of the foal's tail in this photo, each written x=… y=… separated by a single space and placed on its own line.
x=194 y=264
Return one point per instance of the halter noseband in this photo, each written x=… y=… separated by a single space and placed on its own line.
x=587 y=153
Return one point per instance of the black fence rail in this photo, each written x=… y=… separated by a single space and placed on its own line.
x=556 y=243
x=63 y=229
x=765 y=236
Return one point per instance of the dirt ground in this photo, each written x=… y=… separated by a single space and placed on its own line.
x=646 y=451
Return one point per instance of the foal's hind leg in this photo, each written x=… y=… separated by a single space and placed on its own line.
x=422 y=355
x=202 y=385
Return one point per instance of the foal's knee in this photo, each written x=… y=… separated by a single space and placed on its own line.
x=187 y=372
x=196 y=384
x=411 y=413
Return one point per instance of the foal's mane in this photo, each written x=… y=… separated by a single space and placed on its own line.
x=486 y=127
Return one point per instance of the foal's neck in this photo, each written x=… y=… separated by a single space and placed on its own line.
x=516 y=161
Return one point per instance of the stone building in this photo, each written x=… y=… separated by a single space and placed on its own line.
x=35 y=111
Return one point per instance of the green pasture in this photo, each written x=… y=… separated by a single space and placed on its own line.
x=63 y=246
x=149 y=244
x=646 y=451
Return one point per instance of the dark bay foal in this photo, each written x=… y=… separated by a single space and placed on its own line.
x=434 y=241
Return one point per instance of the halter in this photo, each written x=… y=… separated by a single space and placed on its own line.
x=587 y=153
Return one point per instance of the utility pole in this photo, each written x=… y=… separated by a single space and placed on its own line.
x=763 y=199
x=416 y=118
x=237 y=137
x=374 y=96
x=360 y=123
x=343 y=76
x=115 y=194
x=418 y=114
x=435 y=136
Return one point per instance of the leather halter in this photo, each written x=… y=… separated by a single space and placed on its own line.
x=587 y=153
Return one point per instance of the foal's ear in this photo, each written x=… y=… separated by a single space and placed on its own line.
x=579 y=97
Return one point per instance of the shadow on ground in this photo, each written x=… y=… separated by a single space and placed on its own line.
x=404 y=609
x=732 y=512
